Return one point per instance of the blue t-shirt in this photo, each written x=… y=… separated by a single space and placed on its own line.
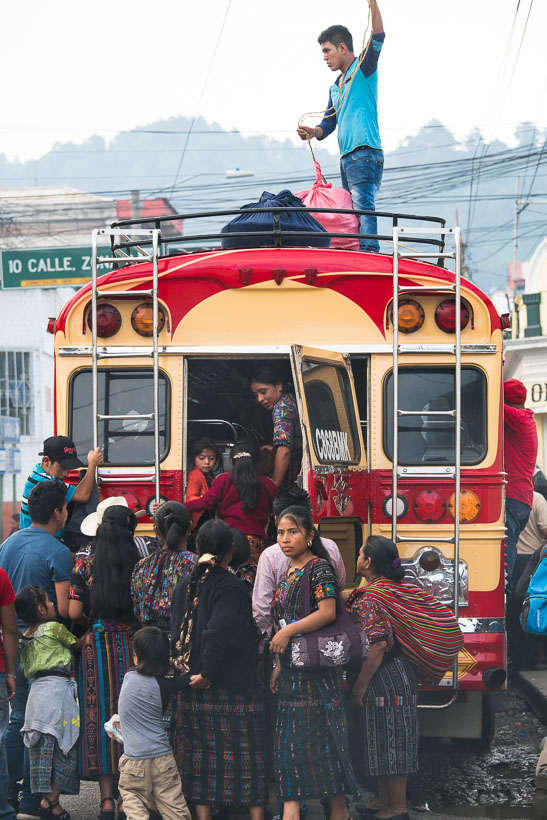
x=357 y=119
x=35 y=557
x=37 y=475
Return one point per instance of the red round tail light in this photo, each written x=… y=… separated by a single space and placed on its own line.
x=109 y=321
x=429 y=506
x=445 y=316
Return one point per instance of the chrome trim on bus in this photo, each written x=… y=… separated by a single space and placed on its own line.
x=494 y=625
x=248 y=350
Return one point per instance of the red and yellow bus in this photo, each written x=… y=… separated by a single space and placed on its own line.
x=377 y=412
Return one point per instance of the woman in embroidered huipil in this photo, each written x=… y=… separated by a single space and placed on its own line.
x=311 y=758
x=271 y=393
x=100 y=591
x=155 y=577
x=386 y=690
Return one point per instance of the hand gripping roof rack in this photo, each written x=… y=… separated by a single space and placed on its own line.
x=454 y=413
x=152 y=238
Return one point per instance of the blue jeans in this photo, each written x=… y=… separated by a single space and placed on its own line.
x=361 y=173
x=17 y=752
x=6 y=811
x=517 y=514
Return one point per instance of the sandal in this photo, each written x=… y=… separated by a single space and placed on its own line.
x=109 y=814
x=49 y=814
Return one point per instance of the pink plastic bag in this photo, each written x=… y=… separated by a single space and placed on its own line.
x=323 y=195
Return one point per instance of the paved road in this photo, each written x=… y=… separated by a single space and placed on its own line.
x=454 y=781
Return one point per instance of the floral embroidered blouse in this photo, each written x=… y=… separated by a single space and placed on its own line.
x=286 y=602
x=286 y=432
x=80 y=590
x=153 y=583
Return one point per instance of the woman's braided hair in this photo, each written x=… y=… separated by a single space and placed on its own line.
x=214 y=540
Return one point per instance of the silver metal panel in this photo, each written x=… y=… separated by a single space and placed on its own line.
x=267 y=350
x=438 y=582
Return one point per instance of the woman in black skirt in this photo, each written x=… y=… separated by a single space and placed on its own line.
x=386 y=690
x=218 y=718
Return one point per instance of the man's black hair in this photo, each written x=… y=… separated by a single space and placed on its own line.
x=44 y=499
x=290 y=497
x=336 y=35
x=151 y=647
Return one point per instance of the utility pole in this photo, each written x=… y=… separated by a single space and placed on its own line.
x=515 y=243
x=463 y=246
x=135 y=204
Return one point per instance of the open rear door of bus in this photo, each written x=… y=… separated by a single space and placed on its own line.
x=334 y=460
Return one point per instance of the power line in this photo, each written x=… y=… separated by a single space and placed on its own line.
x=202 y=92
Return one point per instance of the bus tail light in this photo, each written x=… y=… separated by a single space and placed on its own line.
x=429 y=506
x=445 y=316
x=51 y=324
x=410 y=316
x=470 y=506
x=387 y=507
x=109 y=320
x=142 y=319
x=430 y=560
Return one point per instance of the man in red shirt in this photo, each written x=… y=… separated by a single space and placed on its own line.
x=520 y=446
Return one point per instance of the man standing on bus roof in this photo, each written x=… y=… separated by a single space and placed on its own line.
x=58 y=457
x=520 y=452
x=353 y=107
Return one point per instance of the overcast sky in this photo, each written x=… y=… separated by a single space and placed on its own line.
x=75 y=69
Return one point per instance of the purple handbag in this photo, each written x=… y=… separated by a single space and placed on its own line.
x=339 y=643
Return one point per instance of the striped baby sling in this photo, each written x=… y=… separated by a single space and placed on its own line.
x=427 y=631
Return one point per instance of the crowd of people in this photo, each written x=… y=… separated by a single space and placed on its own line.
x=179 y=646
x=173 y=670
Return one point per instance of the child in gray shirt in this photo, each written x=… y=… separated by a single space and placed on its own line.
x=148 y=772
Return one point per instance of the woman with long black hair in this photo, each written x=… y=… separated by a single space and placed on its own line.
x=242 y=498
x=101 y=591
x=311 y=757
x=155 y=577
x=218 y=718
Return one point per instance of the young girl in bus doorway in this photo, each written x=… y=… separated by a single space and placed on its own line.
x=204 y=457
x=52 y=716
x=242 y=498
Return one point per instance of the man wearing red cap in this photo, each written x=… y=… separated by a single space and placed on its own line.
x=520 y=445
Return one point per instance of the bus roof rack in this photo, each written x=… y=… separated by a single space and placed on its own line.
x=276 y=232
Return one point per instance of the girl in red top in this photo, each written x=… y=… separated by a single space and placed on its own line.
x=204 y=457
x=242 y=498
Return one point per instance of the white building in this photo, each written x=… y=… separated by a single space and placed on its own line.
x=526 y=351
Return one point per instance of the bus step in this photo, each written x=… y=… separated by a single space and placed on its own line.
x=137 y=294
x=125 y=355
x=400 y=538
x=426 y=413
x=440 y=289
x=126 y=417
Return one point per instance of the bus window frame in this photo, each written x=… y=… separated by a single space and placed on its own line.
x=388 y=422
x=299 y=354
x=132 y=371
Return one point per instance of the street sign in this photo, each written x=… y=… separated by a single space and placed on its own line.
x=16 y=459
x=48 y=267
x=2 y=460
x=10 y=429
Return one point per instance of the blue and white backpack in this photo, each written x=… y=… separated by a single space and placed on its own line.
x=533 y=617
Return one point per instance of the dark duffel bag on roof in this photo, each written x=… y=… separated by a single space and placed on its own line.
x=299 y=220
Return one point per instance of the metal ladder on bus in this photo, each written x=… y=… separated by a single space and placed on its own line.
x=454 y=413
x=154 y=238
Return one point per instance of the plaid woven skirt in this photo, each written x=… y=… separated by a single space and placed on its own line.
x=218 y=741
x=311 y=754
x=390 y=720
x=258 y=545
x=50 y=767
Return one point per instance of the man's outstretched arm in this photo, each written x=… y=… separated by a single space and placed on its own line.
x=377 y=23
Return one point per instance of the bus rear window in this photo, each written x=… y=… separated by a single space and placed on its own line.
x=121 y=392
x=329 y=402
x=427 y=439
